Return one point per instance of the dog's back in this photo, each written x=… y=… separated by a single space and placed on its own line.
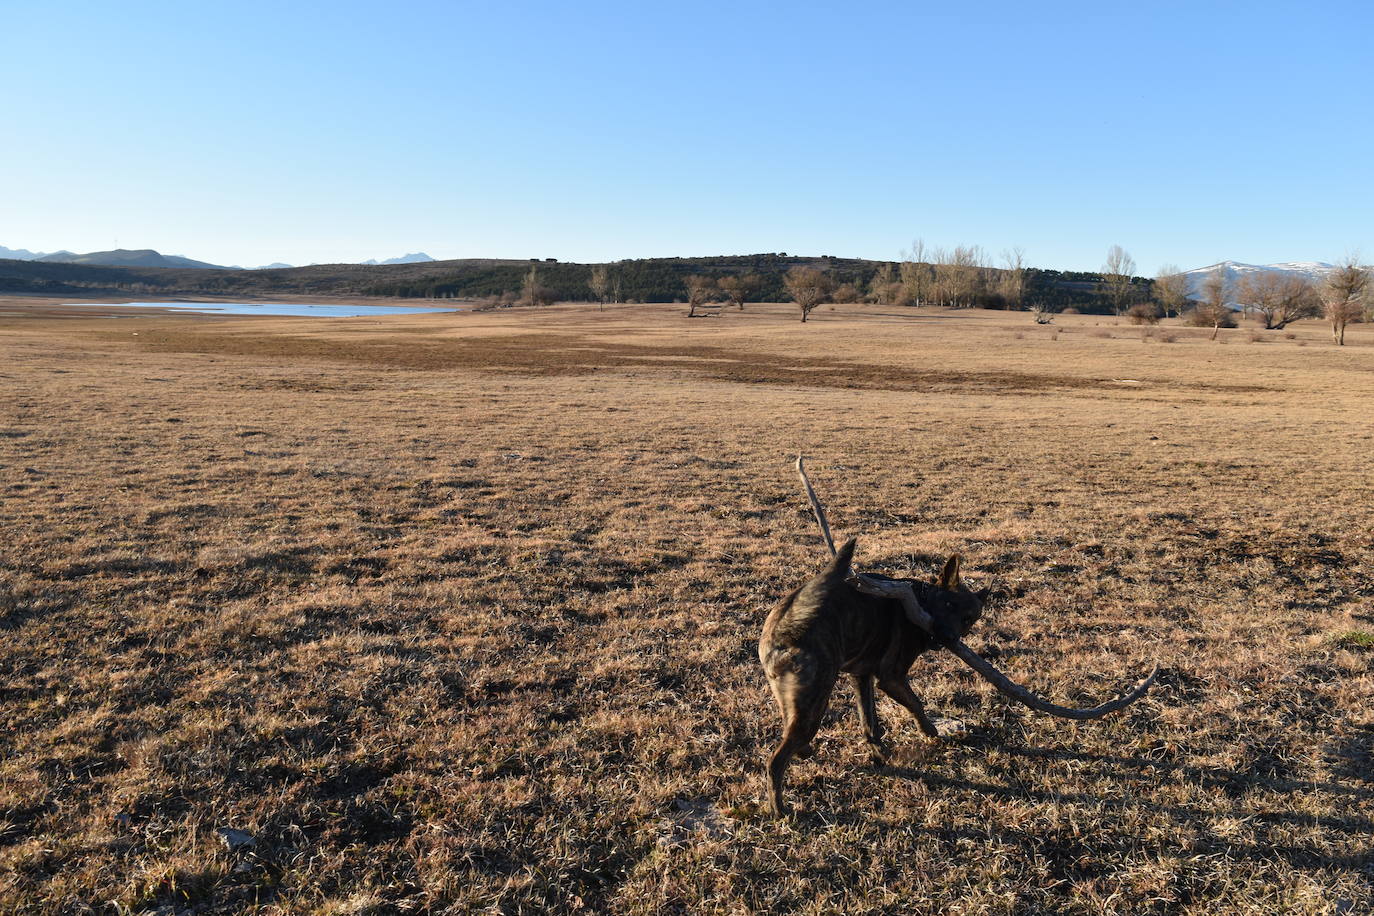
x=808 y=621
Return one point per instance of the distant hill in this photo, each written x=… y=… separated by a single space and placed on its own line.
x=1236 y=271
x=642 y=280
x=23 y=254
x=418 y=257
x=275 y=265
x=124 y=257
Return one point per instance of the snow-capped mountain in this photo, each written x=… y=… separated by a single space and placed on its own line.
x=1315 y=271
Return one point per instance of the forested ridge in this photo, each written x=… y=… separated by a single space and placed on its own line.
x=638 y=280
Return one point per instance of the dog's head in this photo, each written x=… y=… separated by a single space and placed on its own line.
x=952 y=603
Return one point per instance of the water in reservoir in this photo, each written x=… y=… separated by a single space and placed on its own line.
x=295 y=309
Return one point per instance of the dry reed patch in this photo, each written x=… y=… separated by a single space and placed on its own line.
x=462 y=639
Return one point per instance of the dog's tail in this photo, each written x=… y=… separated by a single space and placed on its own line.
x=834 y=574
x=815 y=596
x=815 y=592
x=838 y=570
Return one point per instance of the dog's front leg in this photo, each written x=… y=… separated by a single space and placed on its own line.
x=897 y=687
x=868 y=715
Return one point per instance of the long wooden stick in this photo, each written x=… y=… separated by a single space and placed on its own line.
x=816 y=507
x=905 y=595
x=901 y=592
x=881 y=588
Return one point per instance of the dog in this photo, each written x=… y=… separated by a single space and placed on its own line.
x=827 y=627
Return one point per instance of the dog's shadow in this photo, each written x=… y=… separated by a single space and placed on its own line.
x=1133 y=780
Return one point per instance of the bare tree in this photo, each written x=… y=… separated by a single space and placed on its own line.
x=885 y=288
x=532 y=292
x=917 y=276
x=1116 y=276
x=1012 y=283
x=1343 y=296
x=740 y=289
x=1171 y=290
x=600 y=284
x=1214 y=311
x=959 y=275
x=699 y=290
x=808 y=287
x=916 y=285
x=1278 y=298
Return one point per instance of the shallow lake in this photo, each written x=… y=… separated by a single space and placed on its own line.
x=296 y=309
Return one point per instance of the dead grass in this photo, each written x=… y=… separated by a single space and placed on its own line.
x=457 y=614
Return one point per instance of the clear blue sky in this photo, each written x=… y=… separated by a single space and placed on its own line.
x=246 y=132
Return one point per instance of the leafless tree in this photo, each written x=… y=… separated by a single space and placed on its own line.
x=739 y=289
x=1214 y=311
x=1012 y=282
x=1171 y=290
x=808 y=287
x=699 y=290
x=959 y=275
x=532 y=292
x=917 y=275
x=1343 y=296
x=1116 y=276
x=916 y=284
x=1278 y=298
x=885 y=288
x=600 y=284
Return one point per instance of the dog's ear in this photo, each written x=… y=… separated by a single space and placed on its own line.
x=949 y=576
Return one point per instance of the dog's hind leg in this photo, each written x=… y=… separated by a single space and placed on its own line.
x=803 y=705
x=868 y=714
x=900 y=690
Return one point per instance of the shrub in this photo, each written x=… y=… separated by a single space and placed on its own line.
x=1208 y=318
x=845 y=292
x=1144 y=313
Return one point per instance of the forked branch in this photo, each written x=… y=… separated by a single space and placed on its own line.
x=816 y=508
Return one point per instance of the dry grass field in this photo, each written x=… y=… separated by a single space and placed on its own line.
x=457 y=613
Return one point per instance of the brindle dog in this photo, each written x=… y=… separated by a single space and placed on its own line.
x=826 y=627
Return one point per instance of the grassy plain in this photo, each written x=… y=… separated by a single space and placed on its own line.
x=458 y=613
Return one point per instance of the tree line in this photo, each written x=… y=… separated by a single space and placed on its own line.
x=962 y=277
x=1277 y=298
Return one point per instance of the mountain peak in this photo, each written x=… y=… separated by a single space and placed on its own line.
x=23 y=254
x=418 y=257
x=1235 y=271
